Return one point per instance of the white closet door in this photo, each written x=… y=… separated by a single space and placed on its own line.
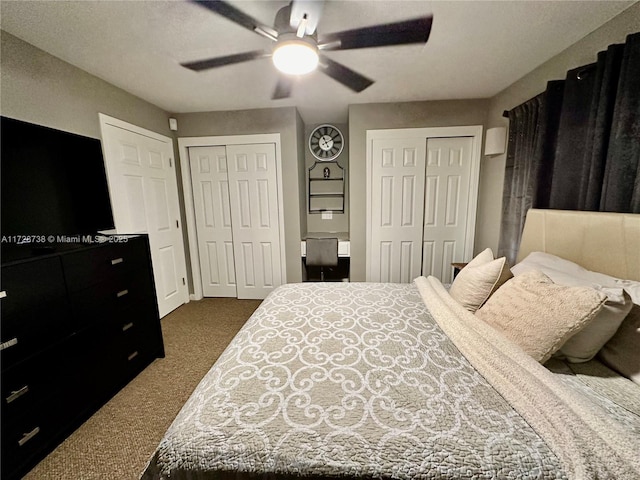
x=210 y=184
x=446 y=204
x=254 y=218
x=144 y=195
x=397 y=209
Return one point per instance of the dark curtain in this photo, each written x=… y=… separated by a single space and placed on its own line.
x=533 y=130
x=583 y=134
x=621 y=186
x=519 y=169
x=580 y=150
x=546 y=144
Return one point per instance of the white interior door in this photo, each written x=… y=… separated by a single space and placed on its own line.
x=446 y=204
x=144 y=196
x=397 y=209
x=210 y=185
x=254 y=218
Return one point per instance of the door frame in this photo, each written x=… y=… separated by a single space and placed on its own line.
x=184 y=143
x=115 y=122
x=474 y=131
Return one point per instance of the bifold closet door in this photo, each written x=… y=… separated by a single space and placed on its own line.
x=446 y=204
x=254 y=218
x=420 y=207
x=236 y=208
x=210 y=184
x=397 y=209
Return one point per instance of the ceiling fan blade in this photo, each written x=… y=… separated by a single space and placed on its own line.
x=237 y=16
x=283 y=88
x=400 y=33
x=200 y=65
x=344 y=75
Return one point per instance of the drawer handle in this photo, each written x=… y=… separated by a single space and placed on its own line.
x=28 y=436
x=127 y=326
x=3 y=294
x=132 y=356
x=122 y=293
x=116 y=261
x=9 y=343
x=16 y=394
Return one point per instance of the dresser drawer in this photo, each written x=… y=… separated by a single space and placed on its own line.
x=29 y=284
x=115 y=352
x=42 y=382
x=108 y=299
x=35 y=310
x=137 y=340
x=93 y=265
x=25 y=333
x=25 y=386
x=24 y=444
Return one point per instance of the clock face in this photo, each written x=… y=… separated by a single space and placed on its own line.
x=326 y=142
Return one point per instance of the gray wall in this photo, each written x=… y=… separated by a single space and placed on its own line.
x=287 y=123
x=581 y=53
x=39 y=88
x=340 y=221
x=393 y=115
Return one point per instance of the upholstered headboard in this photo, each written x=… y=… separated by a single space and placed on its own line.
x=599 y=241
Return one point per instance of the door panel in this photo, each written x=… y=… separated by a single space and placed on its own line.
x=169 y=274
x=254 y=218
x=160 y=204
x=144 y=195
x=397 y=210
x=132 y=220
x=446 y=204
x=210 y=183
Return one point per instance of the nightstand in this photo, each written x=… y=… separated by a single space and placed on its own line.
x=457 y=266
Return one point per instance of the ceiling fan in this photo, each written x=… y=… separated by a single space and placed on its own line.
x=296 y=49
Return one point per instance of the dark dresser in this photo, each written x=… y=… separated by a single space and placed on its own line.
x=78 y=323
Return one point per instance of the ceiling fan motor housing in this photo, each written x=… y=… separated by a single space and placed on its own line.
x=281 y=22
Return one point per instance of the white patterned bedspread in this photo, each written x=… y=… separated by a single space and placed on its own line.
x=349 y=380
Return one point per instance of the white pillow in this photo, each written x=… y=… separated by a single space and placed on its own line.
x=585 y=344
x=482 y=276
x=631 y=287
x=543 y=260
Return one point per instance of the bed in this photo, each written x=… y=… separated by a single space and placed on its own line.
x=369 y=380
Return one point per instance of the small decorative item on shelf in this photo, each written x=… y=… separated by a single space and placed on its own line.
x=326 y=187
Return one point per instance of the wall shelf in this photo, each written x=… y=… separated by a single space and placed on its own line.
x=326 y=187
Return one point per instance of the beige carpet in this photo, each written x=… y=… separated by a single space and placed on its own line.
x=119 y=439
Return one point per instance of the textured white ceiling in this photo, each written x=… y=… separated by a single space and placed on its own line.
x=476 y=49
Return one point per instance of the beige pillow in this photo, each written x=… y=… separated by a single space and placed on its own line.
x=622 y=352
x=539 y=315
x=584 y=345
x=479 y=279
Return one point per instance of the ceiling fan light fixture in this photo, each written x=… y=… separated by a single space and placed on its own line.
x=295 y=57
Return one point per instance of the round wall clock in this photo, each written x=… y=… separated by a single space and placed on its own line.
x=326 y=142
